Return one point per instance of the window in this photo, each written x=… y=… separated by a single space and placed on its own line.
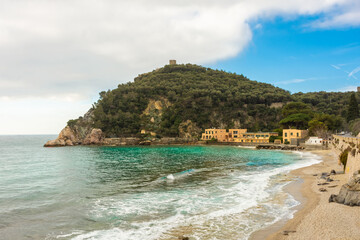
x=291 y=134
x=285 y=134
x=235 y=136
x=297 y=134
x=266 y=135
x=206 y=132
x=235 y=132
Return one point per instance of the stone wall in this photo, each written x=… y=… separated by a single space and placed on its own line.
x=341 y=143
x=121 y=141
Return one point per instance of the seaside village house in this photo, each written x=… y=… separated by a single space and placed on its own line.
x=294 y=136
x=314 y=141
x=237 y=135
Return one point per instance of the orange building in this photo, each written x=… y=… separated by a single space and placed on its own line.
x=237 y=135
x=289 y=134
x=221 y=135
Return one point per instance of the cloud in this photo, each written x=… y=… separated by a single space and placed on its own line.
x=336 y=67
x=346 y=15
x=297 y=80
x=64 y=48
x=354 y=71
x=347 y=89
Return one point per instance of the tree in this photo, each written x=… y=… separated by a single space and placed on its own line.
x=323 y=124
x=353 y=108
x=296 y=115
x=354 y=126
x=297 y=120
x=296 y=107
x=317 y=128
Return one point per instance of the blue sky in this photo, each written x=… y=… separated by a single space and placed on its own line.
x=291 y=55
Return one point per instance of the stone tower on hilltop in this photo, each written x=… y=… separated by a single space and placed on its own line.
x=172 y=62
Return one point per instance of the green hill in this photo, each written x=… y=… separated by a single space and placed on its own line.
x=171 y=100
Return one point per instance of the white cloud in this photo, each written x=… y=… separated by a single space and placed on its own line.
x=336 y=67
x=297 y=80
x=292 y=81
x=353 y=72
x=346 y=14
x=347 y=89
x=70 y=50
x=82 y=46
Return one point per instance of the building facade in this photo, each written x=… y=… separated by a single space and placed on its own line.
x=237 y=135
x=314 y=141
x=295 y=134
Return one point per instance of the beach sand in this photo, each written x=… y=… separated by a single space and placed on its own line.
x=316 y=218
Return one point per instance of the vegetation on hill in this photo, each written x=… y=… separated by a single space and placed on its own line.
x=168 y=100
x=208 y=98
x=353 y=109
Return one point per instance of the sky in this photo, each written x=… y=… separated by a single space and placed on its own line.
x=56 y=56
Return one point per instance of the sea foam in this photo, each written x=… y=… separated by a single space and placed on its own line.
x=233 y=206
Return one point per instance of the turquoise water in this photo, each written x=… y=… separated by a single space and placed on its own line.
x=206 y=192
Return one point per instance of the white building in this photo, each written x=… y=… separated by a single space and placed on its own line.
x=314 y=141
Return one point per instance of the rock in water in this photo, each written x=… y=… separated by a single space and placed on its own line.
x=349 y=193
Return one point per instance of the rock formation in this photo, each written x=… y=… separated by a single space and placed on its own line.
x=188 y=130
x=280 y=147
x=349 y=193
x=96 y=136
x=76 y=132
x=67 y=137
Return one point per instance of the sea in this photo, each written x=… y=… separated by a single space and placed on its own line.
x=141 y=192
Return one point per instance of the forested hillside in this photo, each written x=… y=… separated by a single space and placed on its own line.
x=177 y=97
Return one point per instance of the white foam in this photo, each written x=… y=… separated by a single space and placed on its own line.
x=170 y=177
x=240 y=198
x=248 y=147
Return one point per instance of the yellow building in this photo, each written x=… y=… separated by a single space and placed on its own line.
x=237 y=135
x=255 y=137
x=221 y=135
x=289 y=134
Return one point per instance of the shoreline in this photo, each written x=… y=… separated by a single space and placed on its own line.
x=315 y=217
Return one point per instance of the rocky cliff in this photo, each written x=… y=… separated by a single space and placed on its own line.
x=79 y=131
x=70 y=137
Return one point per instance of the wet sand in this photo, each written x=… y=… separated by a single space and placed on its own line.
x=316 y=218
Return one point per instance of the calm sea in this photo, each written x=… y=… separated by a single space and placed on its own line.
x=206 y=192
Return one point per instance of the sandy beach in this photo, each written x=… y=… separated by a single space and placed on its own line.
x=316 y=218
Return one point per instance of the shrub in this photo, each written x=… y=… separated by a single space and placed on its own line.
x=343 y=157
x=72 y=122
